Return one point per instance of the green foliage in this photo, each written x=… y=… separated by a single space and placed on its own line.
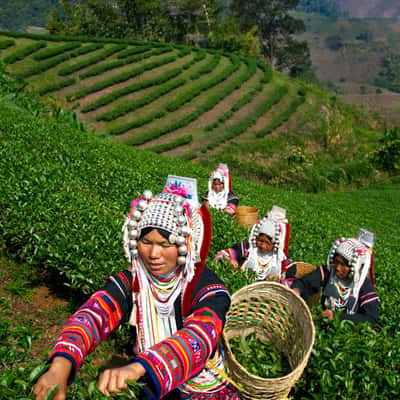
x=52 y=87
x=121 y=81
x=387 y=155
x=24 y=52
x=181 y=141
x=128 y=107
x=131 y=89
x=206 y=85
x=276 y=27
x=345 y=363
x=226 y=35
x=259 y=358
x=389 y=76
x=4 y=44
x=122 y=128
x=55 y=51
x=239 y=128
x=282 y=117
x=207 y=68
x=92 y=60
x=122 y=77
x=107 y=66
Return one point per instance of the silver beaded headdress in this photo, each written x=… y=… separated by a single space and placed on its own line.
x=172 y=212
x=222 y=174
x=272 y=224
x=358 y=254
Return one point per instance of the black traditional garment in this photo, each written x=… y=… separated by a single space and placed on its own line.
x=355 y=295
x=367 y=304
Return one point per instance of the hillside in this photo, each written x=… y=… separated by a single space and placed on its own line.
x=64 y=195
x=371 y=8
x=347 y=57
x=203 y=106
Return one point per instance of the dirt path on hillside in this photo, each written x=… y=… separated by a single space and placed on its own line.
x=38 y=308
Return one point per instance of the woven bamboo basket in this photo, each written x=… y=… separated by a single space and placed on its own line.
x=277 y=315
x=303 y=268
x=246 y=216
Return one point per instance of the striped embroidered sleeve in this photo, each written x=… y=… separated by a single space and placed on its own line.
x=226 y=254
x=183 y=355
x=94 y=321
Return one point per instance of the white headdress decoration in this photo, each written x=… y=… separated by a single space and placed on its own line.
x=172 y=212
x=274 y=225
x=219 y=200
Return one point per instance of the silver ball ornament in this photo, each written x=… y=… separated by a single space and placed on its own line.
x=182 y=250
x=180 y=240
x=178 y=210
x=181 y=260
x=185 y=230
x=147 y=194
x=172 y=238
x=136 y=214
x=181 y=220
x=142 y=205
x=133 y=234
x=132 y=224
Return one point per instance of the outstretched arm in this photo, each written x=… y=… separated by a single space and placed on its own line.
x=89 y=326
x=57 y=374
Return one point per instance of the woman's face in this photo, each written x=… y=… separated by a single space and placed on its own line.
x=264 y=244
x=342 y=270
x=217 y=185
x=158 y=254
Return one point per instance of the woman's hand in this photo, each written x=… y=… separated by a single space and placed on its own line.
x=272 y=278
x=58 y=374
x=235 y=264
x=327 y=313
x=114 y=380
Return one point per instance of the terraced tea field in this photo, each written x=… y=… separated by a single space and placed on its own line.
x=174 y=100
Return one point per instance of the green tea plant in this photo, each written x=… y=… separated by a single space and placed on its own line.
x=92 y=60
x=55 y=51
x=24 y=52
x=258 y=357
